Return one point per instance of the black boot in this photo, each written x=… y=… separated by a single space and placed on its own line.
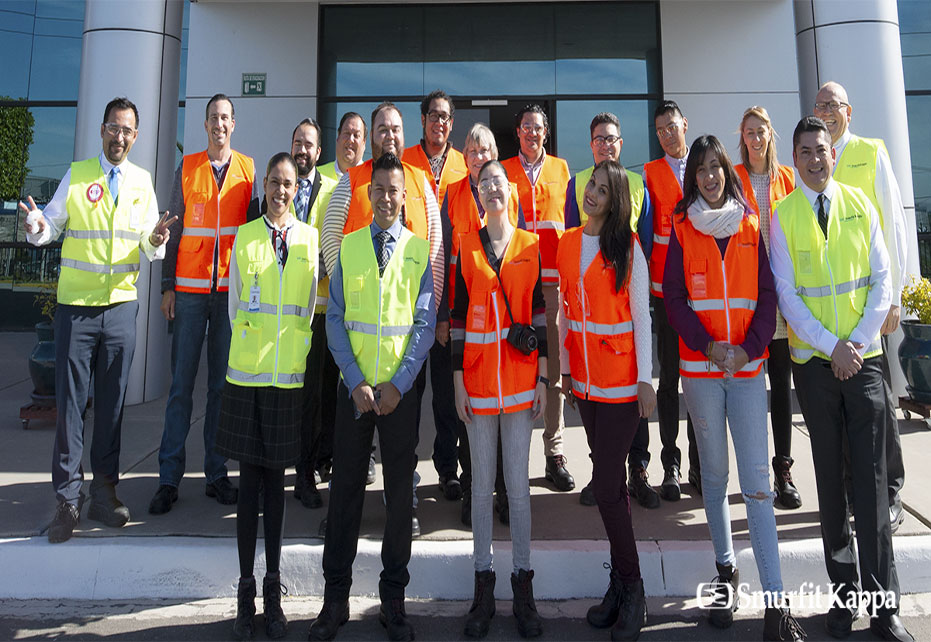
x=779 y=624
x=276 y=624
x=243 y=628
x=603 y=615
x=483 y=605
x=632 y=615
x=721 y=613
x=529 y=624
x=786 y=493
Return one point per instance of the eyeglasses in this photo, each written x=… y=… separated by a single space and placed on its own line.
x=492 y=184
x=605 y=140
x=113 y=129
x=439 y=117
x=670 y=130
x=831 y=106
x=475 y=152
x=532 y=129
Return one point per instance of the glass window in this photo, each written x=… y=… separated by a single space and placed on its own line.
x=573 y=118
x=915 y=32
x=51 y=151
x=15 y=51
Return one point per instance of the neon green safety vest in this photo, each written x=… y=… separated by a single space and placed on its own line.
x=100 y=252
x=380 y=311
x=635 y=181
x=271 y=336
x=315 y=220
x=328 y=170
x=832 y=276
x=857 y=167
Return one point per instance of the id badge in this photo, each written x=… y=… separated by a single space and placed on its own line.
x=135 y=216
x=198 y=216
x=804 y=262
x=254 y=298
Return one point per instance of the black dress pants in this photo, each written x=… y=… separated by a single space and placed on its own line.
x=857 y=408
x=352 y=444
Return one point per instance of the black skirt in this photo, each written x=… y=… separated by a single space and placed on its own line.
x=260 y=426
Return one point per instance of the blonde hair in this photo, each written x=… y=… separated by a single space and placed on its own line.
x=771 y=162
x=480 y=136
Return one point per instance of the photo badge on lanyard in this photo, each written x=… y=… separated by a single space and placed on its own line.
x=255 y=295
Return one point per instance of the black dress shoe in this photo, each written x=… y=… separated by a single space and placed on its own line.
x=639 y=486
x=838 y=622
x=223 y=490
x=370 y=476
x=305 y=489
x=394 y=618
x=165 y=496
x=890 y=627
x=332 y=616
x=587 y=496
x=695 y=479
x=558 y=475
x=896 y=514
x=669 y=490
x=450 y=486
x=109 y=510
x=415 y=526
x=62 y=525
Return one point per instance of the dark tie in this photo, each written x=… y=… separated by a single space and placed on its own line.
x=281 y=245
x=300 y=201
x=822 y=215
x=382 y=251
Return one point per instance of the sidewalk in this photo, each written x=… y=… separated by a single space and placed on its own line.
x=191 y=551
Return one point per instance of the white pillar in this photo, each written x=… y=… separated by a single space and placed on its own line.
x=856 y=43
x=132 y=48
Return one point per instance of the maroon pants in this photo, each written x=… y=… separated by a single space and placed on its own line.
x=610 y=428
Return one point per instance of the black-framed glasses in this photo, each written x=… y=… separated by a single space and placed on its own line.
x=439 y=117
x=605 y=140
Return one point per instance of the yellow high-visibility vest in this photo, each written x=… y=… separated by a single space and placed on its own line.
x=635 y=181
x=857 y=167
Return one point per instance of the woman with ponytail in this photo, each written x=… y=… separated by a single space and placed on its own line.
x=606 y=358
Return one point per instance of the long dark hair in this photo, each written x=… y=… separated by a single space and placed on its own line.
x=690 y=191
x=615 y=239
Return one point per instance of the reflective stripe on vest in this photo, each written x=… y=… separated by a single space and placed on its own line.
x=831 y=275
x=211 y=217
x=379 y=312
x=270 y=342
x=705 y=367
x=491 y=403
x=705 y=305
x=665 y=193
x=100 y=252
x=617 y=392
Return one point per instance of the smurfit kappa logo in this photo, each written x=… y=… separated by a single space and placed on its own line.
x=812 y=596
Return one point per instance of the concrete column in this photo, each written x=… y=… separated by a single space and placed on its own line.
x=132 y=48
x=856 y=43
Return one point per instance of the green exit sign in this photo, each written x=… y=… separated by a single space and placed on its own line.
x=253 y=84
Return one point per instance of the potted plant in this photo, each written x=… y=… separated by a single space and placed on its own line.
x=915 y=349
x=42 y=359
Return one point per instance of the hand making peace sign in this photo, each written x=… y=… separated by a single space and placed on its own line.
x=162 y=233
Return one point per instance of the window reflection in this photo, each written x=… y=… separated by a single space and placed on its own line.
x=915 y=32
x=51 y=151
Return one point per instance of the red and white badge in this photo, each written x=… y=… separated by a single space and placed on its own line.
x=95 y=192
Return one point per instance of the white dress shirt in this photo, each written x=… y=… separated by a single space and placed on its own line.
x=56 y=214
x=793 y=308
x=894 y=230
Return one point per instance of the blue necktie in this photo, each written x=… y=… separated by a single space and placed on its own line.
x=300 y=201
x=114 y=183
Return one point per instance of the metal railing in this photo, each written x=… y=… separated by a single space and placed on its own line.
x=24 y=265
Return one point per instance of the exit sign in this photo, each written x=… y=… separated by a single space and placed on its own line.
x=253 y=84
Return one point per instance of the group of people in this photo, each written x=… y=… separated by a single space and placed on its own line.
x=524 y=286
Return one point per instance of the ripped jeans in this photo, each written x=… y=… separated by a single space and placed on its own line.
x=742 y=401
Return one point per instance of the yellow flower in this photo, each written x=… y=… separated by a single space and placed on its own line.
x=916 y=299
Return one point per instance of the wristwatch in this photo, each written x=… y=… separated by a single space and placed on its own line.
x=544 y=381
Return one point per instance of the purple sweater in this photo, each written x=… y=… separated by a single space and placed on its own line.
x=684 y=320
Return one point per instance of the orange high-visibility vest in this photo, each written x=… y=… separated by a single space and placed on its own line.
x=454 y=169
x=360 y=207
x=600 y=336
x=499 y=378
x=544 y=206
x=781 y=183
x=722 y=293
x=665 y=193
x=211 y=218
x=463 y=215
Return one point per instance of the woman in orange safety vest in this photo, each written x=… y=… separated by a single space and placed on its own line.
x=607 y=364
x=499 y=365
x=721 y=301
x=765 y=182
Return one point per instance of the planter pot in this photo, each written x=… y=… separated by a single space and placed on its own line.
x=42 y=362
x=915 y=359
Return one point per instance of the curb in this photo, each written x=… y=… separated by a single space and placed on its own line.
x=204 y=568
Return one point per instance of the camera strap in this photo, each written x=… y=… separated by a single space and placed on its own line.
x=490 y=256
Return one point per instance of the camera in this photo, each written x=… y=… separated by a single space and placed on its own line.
x=523 y=337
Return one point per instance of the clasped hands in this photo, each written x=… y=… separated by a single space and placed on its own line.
x=717 y=354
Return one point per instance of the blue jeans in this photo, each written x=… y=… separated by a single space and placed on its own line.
x=742 y=403
x=195 y=316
